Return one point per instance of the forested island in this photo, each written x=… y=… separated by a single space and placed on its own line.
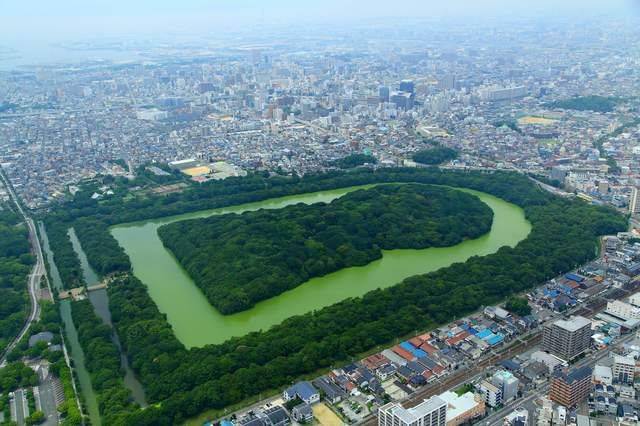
x=182 y=383
x=435 y=156
x=238 y=260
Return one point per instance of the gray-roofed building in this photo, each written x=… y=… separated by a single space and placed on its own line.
x=302 y=413
x=332 y=392
x=44 y=336
x=277 y=416
x=303 y=390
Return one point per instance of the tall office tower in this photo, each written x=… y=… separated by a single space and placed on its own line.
x=634 y=203
x=383 y=93
x=569 y=389
x=431 y=412
x=567 y=339
x=448 y=82
x=407 y=86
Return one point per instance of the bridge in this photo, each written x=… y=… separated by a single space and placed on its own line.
x=78 y=293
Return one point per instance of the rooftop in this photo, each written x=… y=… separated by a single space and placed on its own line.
x=573 y=323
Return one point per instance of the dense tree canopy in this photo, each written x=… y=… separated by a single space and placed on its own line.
x=238 y=260
x=518 y=305
x=354 y=160
x=15 y=265
x=186 y=382
x=435 y=156
x=102 y=360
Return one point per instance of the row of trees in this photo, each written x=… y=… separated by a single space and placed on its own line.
x=187 y=382
x=239 y=260
x=15 y=265
x=102 y=359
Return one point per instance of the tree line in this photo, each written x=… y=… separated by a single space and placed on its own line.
x=239 y=260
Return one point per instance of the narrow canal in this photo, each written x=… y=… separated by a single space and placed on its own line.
x=77 y=354
x=100 y=301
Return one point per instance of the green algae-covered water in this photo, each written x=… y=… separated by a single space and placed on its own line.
x=196 y=323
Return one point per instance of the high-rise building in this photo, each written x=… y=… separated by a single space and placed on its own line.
x=403 y=100
x=507 y=383
x=383 y=93
x=431 y=412
x=634 y=203
x=624 y=369
x=571 y=388
x=447 y=82
x=407 y=86
x=567 y=339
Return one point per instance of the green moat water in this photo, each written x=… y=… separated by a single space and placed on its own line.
x=196 y=323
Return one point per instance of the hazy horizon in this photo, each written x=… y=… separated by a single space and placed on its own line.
x=75 y=19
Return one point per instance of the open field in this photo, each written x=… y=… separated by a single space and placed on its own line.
x=530 y=119
x=325 y=416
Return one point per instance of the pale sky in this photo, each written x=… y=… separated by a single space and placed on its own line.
x=68 y=19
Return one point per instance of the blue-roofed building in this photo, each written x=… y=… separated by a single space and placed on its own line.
x=407 y=346
x=551 y=293
x=574 y=277
x=484 y=333
x=303 y=390
x=472 y=330
x=496 y=339
x=419 y=353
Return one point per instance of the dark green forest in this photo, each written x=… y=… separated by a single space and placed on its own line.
x=238 y=260
x=15 y=265
x=187 y=382
x=434 y=156
x=102 y=360
x=354 y=160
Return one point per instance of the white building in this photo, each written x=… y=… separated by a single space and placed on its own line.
x=623 y=310
x=624 y=369
x=603 y=375
x=431 y=412
x=635 y=300
x=492 y=393
x=634 y=202
x=507 y=383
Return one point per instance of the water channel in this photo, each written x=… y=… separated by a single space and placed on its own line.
x=77 y=354
x=100 y=301
x=196 y=323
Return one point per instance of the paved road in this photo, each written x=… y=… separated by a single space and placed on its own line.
x=36 y=274
x=48 y=402
x=22 y=407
